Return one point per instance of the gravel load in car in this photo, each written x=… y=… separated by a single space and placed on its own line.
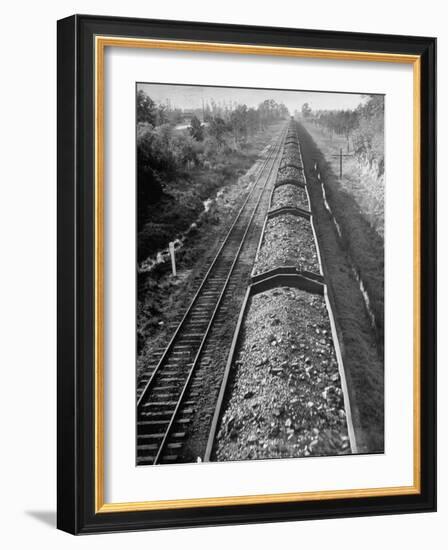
x=290 y=160
x=286 y=398
x=298 y=176
x=289 y=195
x=288 y=240
x=291 y=147
x=292 y=151
x=289 y=172
x=292 y=142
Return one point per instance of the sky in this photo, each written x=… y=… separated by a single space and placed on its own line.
x=190 y=97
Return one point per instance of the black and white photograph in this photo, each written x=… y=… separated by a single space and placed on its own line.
x=260 y=276
x=219 y=283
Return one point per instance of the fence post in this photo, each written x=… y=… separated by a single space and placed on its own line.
x=173 y=259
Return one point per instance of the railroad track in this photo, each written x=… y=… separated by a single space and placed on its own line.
x=168 y=392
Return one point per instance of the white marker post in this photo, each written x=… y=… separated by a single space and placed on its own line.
x=173 y=259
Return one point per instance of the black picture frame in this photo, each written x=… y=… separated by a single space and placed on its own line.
x=76 y=254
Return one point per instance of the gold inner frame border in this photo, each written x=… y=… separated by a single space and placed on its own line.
x=100 y=44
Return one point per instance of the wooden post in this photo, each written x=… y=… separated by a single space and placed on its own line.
x=340 y=155
x=173 y=259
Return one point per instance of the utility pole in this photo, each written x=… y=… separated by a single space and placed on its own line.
x=340 y=161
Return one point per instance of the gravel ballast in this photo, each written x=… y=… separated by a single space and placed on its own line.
x=289 y=195
x=288 y=240
x=286 y=398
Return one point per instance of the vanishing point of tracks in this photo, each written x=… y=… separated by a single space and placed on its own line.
x=168 y=391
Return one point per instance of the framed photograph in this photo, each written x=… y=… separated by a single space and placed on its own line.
x=246 y=274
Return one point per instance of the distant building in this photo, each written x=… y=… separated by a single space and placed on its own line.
x=187 y=115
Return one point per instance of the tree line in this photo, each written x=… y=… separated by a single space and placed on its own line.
x=364 y=126
x=231 y=112
x=165 y=152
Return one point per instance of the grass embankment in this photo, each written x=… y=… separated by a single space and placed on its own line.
x=182 y=200
x=359 y=179
x=357 y=202
x=161 y=298
x=362 y=248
